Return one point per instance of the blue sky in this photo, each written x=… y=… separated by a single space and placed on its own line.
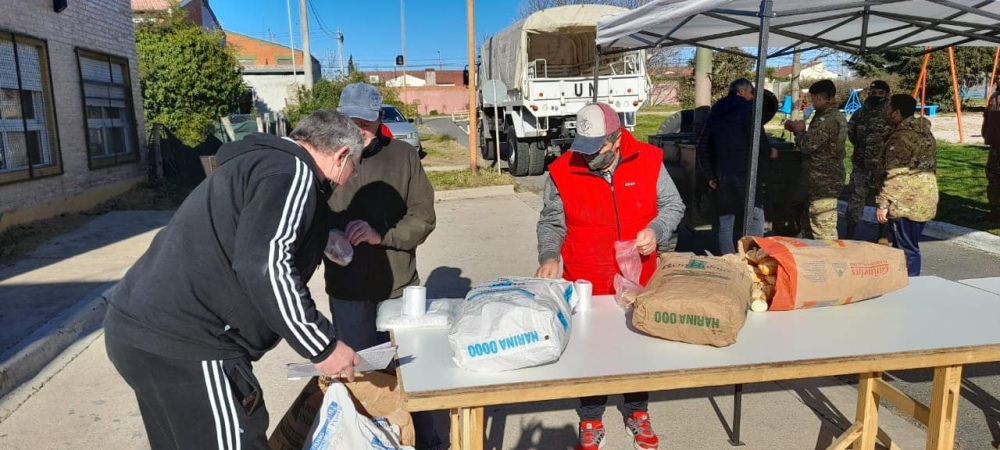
x=436 y=34
x=372 y=27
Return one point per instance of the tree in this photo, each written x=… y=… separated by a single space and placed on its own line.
x=972 y=66
x=188 y=77
x=351 y=68
x=325 y=94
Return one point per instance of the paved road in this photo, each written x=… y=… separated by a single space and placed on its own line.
x=979 y=414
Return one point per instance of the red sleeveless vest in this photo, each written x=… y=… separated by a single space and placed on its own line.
x=599 y=213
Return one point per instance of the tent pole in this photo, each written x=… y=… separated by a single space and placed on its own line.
x=758 y=107
x=993 y=75
x=954 y=88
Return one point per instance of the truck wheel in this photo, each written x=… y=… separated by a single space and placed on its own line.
x=487 y=147
x=536 y=162
x=519 y=159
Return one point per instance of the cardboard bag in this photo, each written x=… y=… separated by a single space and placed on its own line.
x=375 y=394
x=695 y=299
x=813 y=273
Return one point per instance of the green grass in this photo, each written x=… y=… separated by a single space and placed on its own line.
x=462 y=179
x=962 y=186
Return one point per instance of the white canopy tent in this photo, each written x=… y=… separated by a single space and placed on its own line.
x=856 y=27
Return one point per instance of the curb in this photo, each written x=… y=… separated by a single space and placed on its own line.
x=471 y=193
x=22 y=362
x=979 y=240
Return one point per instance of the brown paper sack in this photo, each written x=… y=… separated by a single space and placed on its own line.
x=375 y=394
x=695 y=299
x=814 y=273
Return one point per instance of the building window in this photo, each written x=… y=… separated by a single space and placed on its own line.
x=29 y=143
x=107 y=106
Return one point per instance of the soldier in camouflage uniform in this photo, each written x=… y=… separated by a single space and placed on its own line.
x=866 y=131
x=991 y=134
x=823 y=162
x=909 y=194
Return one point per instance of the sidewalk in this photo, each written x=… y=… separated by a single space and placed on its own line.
x=58 y=289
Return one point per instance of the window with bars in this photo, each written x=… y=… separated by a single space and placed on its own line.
x=107 y=106
x=29 y=143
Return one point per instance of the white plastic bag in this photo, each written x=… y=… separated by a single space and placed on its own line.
x=629 y=272
x=511 y=323
x=439 y=312
x=338 y=248
x=339 y=426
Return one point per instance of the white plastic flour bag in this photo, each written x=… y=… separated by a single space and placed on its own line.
x=339 y=426
x=512 y=322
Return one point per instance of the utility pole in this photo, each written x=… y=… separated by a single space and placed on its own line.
x=340 y=50
x=794 y=89
x=291 y=36
x=440 y=66
x=473 y=119
x=402 y=33
x=306 y=55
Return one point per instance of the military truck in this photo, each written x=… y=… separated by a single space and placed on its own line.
x=536 y=74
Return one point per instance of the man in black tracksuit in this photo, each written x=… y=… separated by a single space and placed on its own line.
x=225 y=280
x=386 y=212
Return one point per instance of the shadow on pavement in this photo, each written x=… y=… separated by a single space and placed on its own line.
x=447 y=282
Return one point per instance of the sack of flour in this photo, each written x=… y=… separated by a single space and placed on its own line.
x=695 y=299
x=512 y=322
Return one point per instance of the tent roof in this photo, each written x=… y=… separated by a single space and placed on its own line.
x=856 y=27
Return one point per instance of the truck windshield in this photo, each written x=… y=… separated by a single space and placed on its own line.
x=391 y=114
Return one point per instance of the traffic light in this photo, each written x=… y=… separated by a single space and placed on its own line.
x=399 y=60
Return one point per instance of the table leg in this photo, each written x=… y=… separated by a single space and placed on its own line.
x=734 y=440
x=867 y=412
x=456 y=429
x=472 y=432
x=944 y=408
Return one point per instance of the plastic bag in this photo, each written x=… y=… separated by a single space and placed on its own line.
x=338 y=248
x=338 y=425
x=512 y=322
x=629 y=271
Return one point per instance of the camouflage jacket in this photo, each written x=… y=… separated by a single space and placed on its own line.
x=823 y=144
x=866 y=130
x=910 y=188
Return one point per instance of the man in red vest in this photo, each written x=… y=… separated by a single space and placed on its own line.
x=608 y=188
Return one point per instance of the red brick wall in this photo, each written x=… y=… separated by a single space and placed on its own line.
x=443 y=99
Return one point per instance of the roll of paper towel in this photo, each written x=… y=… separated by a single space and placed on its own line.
x=585 y=290
x=415 y=301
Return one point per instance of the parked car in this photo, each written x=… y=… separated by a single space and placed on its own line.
x=401 y=127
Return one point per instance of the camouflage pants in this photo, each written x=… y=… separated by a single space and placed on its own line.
x=862 y=183
x=993 y=180
x=822 y=218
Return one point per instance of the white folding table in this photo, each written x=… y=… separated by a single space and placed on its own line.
x=991 y=284
x=931 y=323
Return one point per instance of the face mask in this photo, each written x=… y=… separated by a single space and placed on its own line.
x=602 y=161
x=875 y=101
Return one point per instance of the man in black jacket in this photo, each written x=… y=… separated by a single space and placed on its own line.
x=723 y=155
x=386 y=212
x=225 y=280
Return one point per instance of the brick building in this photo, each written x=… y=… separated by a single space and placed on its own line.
x=198 y=11
x=438 y=91
x=71 y=127
x=268 y=70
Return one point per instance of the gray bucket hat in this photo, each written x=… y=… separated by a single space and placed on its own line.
x=360 y=101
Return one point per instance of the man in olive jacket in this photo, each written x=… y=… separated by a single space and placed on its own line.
x=386 y=211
